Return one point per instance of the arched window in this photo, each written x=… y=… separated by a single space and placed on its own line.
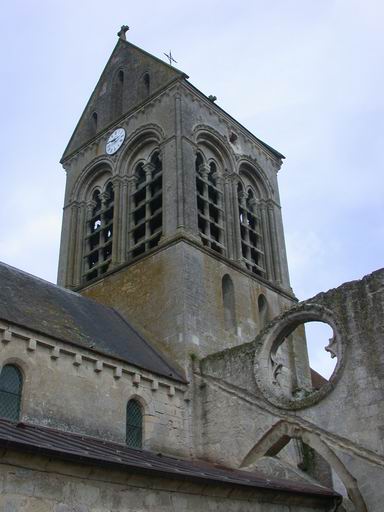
x=94 y=123
x=251 y=238
x=147 y=203
x=99 y=236
x=210 y=215
x=147 y=83
x=134 y=434
x=263 y=310
x=11 y=384
x=118 y=94
x=228 y=292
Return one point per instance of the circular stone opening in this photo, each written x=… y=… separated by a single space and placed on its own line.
x=299 y=358
x=319 y=337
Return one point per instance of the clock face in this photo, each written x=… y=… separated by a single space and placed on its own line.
x=115 y=140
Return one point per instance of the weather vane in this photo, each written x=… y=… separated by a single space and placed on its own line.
x=170 y=58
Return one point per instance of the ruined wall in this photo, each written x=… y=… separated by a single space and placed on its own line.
x=344 y=419
x=80 y=391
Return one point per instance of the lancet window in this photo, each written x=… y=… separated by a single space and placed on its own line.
x=250 y=231
x=210 y=214
x=99 y=239
x=11 y=384
x=118 y=93
x=147 y=206
x=134 y=433
x=228 y=292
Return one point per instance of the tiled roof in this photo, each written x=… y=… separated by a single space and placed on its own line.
x=48 y=309
x=88 y=450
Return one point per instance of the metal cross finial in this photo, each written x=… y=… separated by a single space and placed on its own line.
x=170 y=58
x=122 y=32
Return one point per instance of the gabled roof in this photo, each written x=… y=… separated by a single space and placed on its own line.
x=235 y=121
x=134 y=62
x=317 y=379
x=88 y=450
x=45 y=308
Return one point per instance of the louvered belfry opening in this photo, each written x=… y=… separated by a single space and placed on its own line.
x=251 y=238
x=210 y=213
x=99 y=239
x=11 y=384
x=147 y=207
x=134 y=434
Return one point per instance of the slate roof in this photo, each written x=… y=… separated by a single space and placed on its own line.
x=88 y=450
x=317 y=379
x=48 y=309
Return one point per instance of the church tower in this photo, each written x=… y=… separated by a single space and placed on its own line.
x=172 y=211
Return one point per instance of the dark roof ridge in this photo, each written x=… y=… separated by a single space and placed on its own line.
x=154 y=57
x=275 y=153
x=51 y=310
x=37 y=278
x=151 y=347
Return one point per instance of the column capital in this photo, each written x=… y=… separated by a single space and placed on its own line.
x=132 y=179
x=242 y=197
x=104 y=196
x=204 y=170
x=117 y=180
x=148 y=168
x=90 y=206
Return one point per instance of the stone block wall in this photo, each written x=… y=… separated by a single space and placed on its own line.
x=175 y=296
x=38 y=484
x=76 y=390
x=343 y=421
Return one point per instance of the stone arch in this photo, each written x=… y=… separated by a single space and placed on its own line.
x=263 y=310
x=148 y=412
x=27 y=369
x=117 y=93
x=93 y=120
x=12 y=382
x=146 y=187
x=214 y=142
x=211 y=209
x=269 y=341
x=91 y=173
x=148 y=407
x=16 y=361
x=279 y=436
x=140 y=145
x=229 y=303
x=144 y=85
x=252 y=176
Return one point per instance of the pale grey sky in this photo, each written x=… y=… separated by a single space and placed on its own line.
x=304 y=76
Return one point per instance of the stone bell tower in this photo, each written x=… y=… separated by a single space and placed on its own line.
x=172 y=210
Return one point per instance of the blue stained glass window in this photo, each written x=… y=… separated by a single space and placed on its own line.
x=134 y=436
x=11 y=384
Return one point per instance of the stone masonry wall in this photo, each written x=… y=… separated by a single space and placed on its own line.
x=37 y=484
x=347 y=419
x=80 y=391
x=175 y=296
